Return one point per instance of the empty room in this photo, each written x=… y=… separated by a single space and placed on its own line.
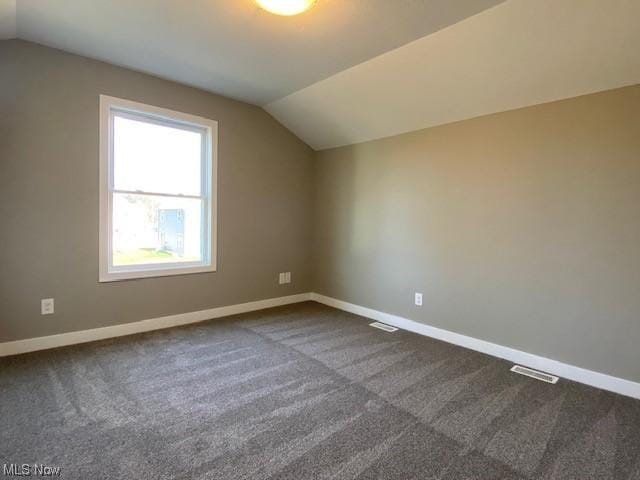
x=320 y=239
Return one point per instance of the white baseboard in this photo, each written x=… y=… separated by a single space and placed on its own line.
x=82 y=336
x=571 y=372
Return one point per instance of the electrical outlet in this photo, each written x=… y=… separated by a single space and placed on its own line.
x=46 y=306
x=418 y=299
x=284 y=277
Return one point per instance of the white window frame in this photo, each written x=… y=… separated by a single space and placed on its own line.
x=109 y=272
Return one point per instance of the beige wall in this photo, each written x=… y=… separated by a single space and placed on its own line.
x=520 y=228
x=49 y=198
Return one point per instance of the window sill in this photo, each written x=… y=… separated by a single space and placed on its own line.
x=117 y=275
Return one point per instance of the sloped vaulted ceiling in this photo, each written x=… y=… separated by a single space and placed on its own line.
x=233 y=47
x=348 y=71
x=519 y=53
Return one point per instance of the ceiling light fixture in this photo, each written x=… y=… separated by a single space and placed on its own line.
x=285 y=7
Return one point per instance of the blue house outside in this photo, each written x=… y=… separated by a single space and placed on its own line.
x=171 y=230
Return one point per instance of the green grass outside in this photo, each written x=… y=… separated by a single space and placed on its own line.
x=144 y=255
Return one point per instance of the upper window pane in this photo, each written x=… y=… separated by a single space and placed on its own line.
x=152 y=157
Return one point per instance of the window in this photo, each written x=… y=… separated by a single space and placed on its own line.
x=157 y=191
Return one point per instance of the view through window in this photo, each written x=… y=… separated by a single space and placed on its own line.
x=159 y=193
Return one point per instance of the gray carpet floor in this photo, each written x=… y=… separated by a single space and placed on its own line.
x=304 y=392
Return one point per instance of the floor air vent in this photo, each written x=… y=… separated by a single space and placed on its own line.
x=545 y=377
x=382 y=326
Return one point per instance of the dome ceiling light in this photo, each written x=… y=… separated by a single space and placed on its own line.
x=285 y=7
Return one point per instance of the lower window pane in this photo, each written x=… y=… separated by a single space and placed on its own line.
x=149 y=229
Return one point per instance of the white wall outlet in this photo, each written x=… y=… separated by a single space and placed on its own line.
x=284 y=277
x=46 y=306
x=418 y=299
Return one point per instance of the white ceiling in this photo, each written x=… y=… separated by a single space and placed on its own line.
x=233 y=47
x=520 y=53
x=348 y=71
